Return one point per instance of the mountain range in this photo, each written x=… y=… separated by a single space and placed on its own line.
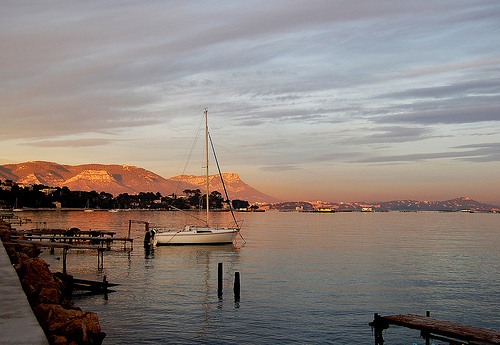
x=453 y=205
x=118 y=179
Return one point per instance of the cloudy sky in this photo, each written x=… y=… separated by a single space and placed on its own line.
x=308 y=100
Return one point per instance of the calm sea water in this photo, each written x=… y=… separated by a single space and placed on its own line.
x=305 y=277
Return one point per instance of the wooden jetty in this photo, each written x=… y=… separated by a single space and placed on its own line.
x=74 y=283
x=451 y=332
x=71 y=239
x=11 y=218
x=74 y=236
x=65 y=247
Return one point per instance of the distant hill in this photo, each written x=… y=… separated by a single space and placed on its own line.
x=458 y=204
x=117 y=179
x=236 y=188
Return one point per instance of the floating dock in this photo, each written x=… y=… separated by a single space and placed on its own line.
x=431 y=328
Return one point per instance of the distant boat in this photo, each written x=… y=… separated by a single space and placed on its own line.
x=15 y=208
x=206 y=234
x=87 y=207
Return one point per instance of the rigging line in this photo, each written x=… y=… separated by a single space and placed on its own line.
x=171 y=238
x=244 y=241
x=222 y=180
x=188 y=214
x=193 y=144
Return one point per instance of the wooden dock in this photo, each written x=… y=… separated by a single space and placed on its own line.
x=435 y=329
x=65 y=247
x=73 y=236
x=81 y=239
x=68 y=232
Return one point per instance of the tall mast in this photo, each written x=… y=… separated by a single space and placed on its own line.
x=206 y=155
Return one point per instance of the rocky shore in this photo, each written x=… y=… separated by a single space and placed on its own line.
x=49 y=297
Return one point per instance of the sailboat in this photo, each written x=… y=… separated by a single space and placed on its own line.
x=204 y=234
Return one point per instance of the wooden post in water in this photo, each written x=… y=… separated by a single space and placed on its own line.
x=65 y=254
x=426 y=335
x=378 y=329
x=52 y=249
x=100 y=258
x=219 y=286
x=237 y=286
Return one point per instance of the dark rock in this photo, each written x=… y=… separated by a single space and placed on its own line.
x=14 y=250
x=57 y=340
x=10 y=248
x=75 y=325
x=29 y=249
x=34 y=273
x=51 y=292
x=5 y=233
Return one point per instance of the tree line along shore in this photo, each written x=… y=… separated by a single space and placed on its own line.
x=21 y=196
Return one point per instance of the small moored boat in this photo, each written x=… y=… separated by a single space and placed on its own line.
x=192 y=234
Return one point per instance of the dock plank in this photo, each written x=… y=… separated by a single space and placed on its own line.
x=79 y=238
x=58 y=245
x=64 y=232
x=71 y=239
x=444 y=328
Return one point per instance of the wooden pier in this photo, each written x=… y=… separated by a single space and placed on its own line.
x=74 y=236
x=430 y=328
x=71 y=239
x=65 y=247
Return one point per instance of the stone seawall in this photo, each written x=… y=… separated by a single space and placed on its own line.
x=62 y=322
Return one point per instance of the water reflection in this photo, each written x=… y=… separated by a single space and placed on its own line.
x=149 y=252
x=197 y=265
x=307 y=278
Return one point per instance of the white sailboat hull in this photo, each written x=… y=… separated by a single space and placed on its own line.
x=196 y=236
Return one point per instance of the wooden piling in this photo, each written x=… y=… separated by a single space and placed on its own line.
x=100 y=258
x=220 y=277
x=65 y=254
x=236 y=285
x=426 y=335
x=378 y=327
x=105 y=284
